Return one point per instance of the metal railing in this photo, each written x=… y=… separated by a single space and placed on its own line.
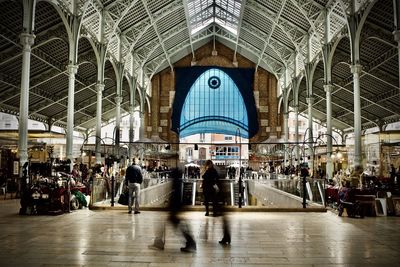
x=315 y=188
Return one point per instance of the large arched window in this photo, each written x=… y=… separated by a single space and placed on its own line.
x=214 y=100
x=214 y=104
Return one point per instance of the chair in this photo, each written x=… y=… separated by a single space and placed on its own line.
x=381 y=206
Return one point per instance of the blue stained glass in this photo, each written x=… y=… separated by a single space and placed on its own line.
x=214 y=104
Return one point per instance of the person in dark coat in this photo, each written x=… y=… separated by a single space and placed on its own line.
x=212 y=189
x=210 y=186
x=133 y=179
x=392 y=173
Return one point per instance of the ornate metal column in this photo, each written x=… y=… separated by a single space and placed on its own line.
x=142 y=128
x=118 y=100
x=296 y=131
x=132 y=97
x=310 y=101
x=309 y=73
x=396 y=34
x=142 y=110
x=354 y=32
x=131 y=132
x=286 y=135
x=329 y=164
x=328 y=87
x=72 y=70
x=99 y=88
x=27 y=41
x=356 y=70
x=295 y=89
x=155 y=106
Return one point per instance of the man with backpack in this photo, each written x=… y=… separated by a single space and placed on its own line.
x=133 y=179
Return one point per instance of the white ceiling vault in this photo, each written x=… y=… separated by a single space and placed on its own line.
x=147 y=36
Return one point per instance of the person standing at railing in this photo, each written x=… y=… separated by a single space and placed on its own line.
x=392 y=174
x=133 y=179
x=398 y=176
x=210 y=186
x=213 y=187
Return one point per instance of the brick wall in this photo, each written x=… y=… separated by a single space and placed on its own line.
x=265 y=91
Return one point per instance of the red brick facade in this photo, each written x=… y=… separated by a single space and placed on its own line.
x=163 y=88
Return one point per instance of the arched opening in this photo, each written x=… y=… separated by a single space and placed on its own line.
x=213 y=114
x=214 y=104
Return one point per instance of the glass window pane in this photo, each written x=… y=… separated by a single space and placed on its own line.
x=202 y=13
x=214 y=104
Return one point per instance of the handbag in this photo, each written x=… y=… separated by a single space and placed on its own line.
x=216 y=188
x=124 y=197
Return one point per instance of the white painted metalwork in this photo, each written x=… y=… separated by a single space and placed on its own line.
x=147 y=36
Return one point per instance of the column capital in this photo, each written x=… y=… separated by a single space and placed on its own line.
x=286 y=115
x=310 y=100
x=99 y=87
x=356 y=68
x=72 y=69
x=396 y=34
x=23 y=155
x=118 y=99
x=328 y=88
x=193 y=62
x=131 y=110
x=27 y=40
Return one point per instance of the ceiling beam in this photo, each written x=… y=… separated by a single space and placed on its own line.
x=167 y=35
x=62 y=99
x=366 y=100
x=158 y=34
x=291 y=30
x=347 y=109
x=91 y=103
x=104 y=113
x=320 y=111
x=257 y=33
x=266 y=43
x=135 y=32
x=185 y=6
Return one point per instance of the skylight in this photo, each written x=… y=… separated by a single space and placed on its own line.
x=225 y=13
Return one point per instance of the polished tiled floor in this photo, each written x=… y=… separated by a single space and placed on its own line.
x=116 y=238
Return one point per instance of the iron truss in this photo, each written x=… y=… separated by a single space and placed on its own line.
x=147 y=36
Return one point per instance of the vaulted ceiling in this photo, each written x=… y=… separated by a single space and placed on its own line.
x=148 y=36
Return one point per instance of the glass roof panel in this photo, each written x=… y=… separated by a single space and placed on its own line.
x=225 y=13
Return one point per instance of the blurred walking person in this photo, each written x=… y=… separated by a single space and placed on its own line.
x=175 y=207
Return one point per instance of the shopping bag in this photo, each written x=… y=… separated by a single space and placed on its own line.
x=124 y=197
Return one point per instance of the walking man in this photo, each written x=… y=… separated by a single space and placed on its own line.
x=133 y=179
x=175 y=219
